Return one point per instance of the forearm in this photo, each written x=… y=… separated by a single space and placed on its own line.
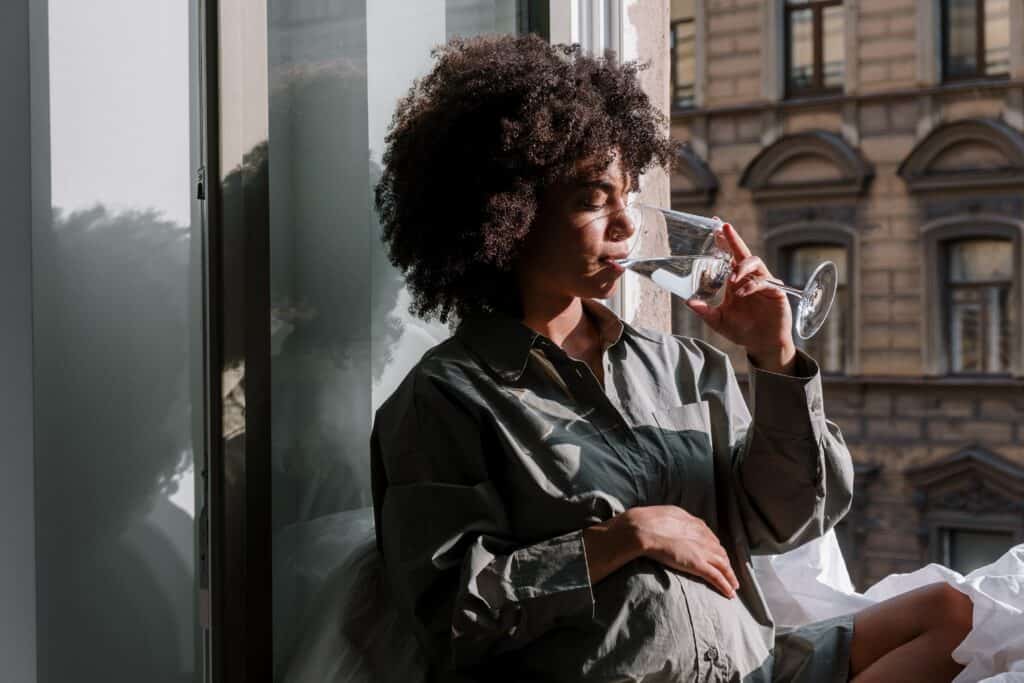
x=610 y=545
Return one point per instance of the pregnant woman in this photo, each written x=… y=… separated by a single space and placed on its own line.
x=560 y=495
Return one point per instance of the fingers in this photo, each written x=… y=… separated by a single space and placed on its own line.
x=716 y=578
x=737 y=246
x=752 y=265
x=750 y=275
x=712 y=316
x=721 y=562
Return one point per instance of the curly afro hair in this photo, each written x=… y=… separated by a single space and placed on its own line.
x=474 y=144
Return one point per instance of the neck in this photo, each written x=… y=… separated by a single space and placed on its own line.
x=555 y=318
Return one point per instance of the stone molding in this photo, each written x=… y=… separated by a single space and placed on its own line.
x=703 y=182
x=972 y=489
x=918 y=171
x=854 y=171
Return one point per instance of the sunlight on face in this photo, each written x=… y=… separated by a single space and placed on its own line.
x=580 y=227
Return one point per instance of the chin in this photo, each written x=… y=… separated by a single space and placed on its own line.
x=604 y=290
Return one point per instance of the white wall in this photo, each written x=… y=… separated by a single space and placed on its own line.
x=17 y=529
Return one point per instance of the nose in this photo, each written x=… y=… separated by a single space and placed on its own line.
x=622 y=225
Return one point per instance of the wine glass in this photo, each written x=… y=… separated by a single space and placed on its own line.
x=698 y=264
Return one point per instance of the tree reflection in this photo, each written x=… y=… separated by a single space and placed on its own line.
x=113 y=441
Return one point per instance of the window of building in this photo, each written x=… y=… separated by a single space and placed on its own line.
x=683 y=45
x=815 y=47
x=979 y=279
x=970 y=507
x=975 y=38
x=965 y=550
x=828 y=346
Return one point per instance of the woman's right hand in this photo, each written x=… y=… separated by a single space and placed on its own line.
x=666 y=534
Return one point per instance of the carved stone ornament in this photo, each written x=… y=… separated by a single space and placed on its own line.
x=972 y=481
x=805 y=165
x=965 y=155
x=693 y=182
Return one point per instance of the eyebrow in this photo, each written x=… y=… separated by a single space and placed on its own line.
x=602 y=185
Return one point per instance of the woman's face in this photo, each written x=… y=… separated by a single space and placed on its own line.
x=578 y=231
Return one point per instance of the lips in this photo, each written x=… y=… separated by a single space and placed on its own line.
x=610 y=262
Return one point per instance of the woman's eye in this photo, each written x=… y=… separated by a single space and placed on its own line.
x=594 y=203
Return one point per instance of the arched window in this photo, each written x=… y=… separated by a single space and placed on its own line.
x=979 y=315
x=973 y=296
x=966 y=177
x=793 y=251
x=807 y=186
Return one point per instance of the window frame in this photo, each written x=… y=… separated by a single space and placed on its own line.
x=946 y=494
x=949 y=288
x=942 y=551
x=781 y=240
x=818 y=89
x=937 y=236
x=673 y=47
x=979 y=46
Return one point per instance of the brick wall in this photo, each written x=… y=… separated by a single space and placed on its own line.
x=892 y=414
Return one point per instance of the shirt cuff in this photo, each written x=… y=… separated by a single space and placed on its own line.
x=789 y=403
x=557 y=566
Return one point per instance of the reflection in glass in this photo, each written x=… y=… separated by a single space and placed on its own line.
x=341 y=334
x=828 y=347
x=979 y=279
x=965 y=550
x=997 y=37
x=801 y=49
x=684 y=62
x=472 y=17
x=112 y=334
x=834 y=48
x=961 y=38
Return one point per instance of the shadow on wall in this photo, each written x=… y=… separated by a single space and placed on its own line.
x=114 y=554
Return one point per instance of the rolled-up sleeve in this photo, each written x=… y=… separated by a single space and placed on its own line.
x=474 y=590
x=793 y=472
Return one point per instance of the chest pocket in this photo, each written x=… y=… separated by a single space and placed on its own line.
x=683 y=434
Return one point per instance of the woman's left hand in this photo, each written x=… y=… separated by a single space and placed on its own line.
x=754 y=314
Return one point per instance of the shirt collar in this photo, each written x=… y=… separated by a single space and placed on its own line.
x=504 y=342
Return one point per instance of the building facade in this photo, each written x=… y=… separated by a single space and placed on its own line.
x=888 y=137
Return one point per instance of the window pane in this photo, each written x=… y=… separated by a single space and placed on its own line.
x=803 y=261
x=342 y=336
x=828 y=345
x=961 y=37
x=834 y=48
x=684 y=63
x=980 y=324
x=470 y=17
x=801 y=49
x=114 y=256
x=981 y=261
x=966 y=329
x=966 y=551
x=997 y=37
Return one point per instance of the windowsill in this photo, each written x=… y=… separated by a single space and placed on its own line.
x=759 y=105
x=992 y=381
x=816 y=96
x=935 y=380
x=973 y=81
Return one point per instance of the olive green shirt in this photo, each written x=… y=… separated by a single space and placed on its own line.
x=499 y=448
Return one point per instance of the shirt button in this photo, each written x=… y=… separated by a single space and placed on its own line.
x=711 y=654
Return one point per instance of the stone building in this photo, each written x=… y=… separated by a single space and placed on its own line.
x=888 y=137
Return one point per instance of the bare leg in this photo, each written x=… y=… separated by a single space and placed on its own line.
x=910 y=637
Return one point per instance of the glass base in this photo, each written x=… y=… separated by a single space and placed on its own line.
x=817 y=299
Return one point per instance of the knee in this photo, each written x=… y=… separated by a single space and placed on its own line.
x=954 y=611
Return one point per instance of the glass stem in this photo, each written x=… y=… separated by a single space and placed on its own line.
x=798 y=293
